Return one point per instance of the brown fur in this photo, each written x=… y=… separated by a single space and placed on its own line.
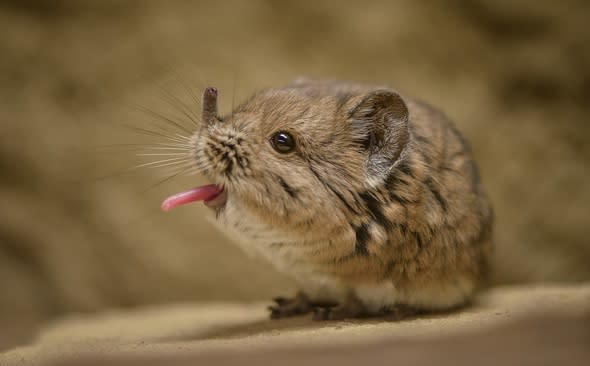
x=381 y=189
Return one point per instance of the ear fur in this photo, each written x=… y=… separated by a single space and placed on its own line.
x=380 y=124
x=301 y=80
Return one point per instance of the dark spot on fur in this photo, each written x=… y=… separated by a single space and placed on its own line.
x=341 y=197
x=362 y=238
x=333 y=190
x=436 y=193
x=419 y=240
x=366 y=141
x=229 y=164
x=421 y=139
x=394 y=196
x=422 y=151
x=405 y=168
x=375 y=208
x=242 y=162
x=290 y=190
x=214 y=148
x=392 y=266
x=403 y=228
x=305 y=222
x=392 y=181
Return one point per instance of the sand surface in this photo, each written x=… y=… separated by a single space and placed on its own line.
x=225 y=328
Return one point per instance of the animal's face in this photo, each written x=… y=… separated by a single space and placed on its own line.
x=296 y=158
x=288 y=156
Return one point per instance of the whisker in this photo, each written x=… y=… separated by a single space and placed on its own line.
x=113 y=175
x=160 y=164
x=169 y=145
x=147 y=145
x=193 y=171
x=161 y=154
x=165 y=180
x=179 y=164
x=177 y=103
x=176 y=138
x=195 y=96
x=172 y=127
x=187 y=138
x=190 y=166
x=146 y=150
x=155 y=163
x=161 y=117
x=182 y=80
x=167 y=148
x=233 y=97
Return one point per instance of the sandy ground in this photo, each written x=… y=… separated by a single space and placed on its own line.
x=195 y=330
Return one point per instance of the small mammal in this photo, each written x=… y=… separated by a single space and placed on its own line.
x=369 y=199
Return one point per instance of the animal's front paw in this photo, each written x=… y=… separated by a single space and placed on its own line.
x=285 y=308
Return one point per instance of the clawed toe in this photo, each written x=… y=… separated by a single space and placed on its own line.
x=277 y=312
x=321 y=314
x=284 y=307
x=280 y=300
x=335 y=313
x=400 y=312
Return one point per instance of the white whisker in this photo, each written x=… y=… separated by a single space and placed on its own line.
x=165 y=161
x=161 y=154
x=163 y=165
x=177 y=103
x=162 y=117
x=184 y=137
x=165 y=149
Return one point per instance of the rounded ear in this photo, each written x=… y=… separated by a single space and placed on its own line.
x=380 y=125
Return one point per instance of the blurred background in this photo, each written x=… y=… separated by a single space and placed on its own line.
x=81 y=230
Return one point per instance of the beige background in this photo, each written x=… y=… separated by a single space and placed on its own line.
x=515 y=76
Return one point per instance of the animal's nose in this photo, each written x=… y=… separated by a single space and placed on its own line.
x=209 y=114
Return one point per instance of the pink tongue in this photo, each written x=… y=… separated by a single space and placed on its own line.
x=203 y=193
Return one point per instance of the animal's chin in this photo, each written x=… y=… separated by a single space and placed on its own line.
x=212 y=195
x=218 y=201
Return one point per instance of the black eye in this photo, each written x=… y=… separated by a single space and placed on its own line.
x=283 y=142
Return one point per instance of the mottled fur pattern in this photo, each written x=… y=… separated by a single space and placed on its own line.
x=380 y=202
